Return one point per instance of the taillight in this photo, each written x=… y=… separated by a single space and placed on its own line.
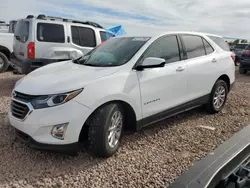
x=31 y=50
x=233 y=57
x=246 y=52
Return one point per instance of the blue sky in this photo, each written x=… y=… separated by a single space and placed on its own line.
x=144 y=17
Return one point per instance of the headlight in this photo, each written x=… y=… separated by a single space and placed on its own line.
x=54 y=100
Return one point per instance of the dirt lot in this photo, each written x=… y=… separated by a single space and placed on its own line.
x=153 y=157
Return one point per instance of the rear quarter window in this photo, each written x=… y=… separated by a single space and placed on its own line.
x=47 y=32
x=220 y=42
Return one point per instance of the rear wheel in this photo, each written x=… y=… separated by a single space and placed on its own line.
x=218 y=97
x=105 y=128
x=4 y=63
x=242 y=71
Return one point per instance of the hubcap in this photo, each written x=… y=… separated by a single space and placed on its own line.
x=219 y=97
x=1 y=62
x=115 y=129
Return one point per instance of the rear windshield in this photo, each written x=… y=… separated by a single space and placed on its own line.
x=47 y=32
x=240 y=46
x=115 y=51
x=220 y=42
x=22 y=31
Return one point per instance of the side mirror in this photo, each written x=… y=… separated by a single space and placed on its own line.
x=151 y=62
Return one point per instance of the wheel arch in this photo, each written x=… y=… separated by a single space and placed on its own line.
x=226 y=79
x=5 y=51
x=130 y=117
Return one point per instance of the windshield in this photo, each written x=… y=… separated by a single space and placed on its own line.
x=114 y=52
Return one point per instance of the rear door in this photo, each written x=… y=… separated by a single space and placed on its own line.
x=22 y=37
x=82 y=38
x=201 y=62
x=48 y=35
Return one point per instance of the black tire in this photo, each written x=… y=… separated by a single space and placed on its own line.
x=210 y=105
x=242 y=71
x=5 y=62
x=99 y=124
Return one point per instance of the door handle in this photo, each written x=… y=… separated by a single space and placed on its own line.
x=179 y=69
x=214 y=60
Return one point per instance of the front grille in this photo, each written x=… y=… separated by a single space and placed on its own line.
x=19 y=110
x=24 y=97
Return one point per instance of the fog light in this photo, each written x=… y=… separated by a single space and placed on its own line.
x=58 y=131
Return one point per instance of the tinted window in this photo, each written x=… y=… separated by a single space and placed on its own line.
x=47 y=32
x=194 y=46
x=12 y=26
x=114 y=52
x=75 y=35
x=208 y=47
x=166 y=48
x=87 y=37
x=220 y=42
x=22 y=31
x=240 y=46
x=105 y=35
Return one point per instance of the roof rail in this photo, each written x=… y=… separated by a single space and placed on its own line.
x=30 y=16
x=53 y=18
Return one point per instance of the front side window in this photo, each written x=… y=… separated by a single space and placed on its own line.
x=83 y=36
x=194 y=46
x=166 y=48
x=114 y=52
x=22 y=31
x=47 y=32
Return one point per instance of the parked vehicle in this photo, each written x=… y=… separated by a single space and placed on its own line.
x=44 y=39
x=245 y=61
x=127 y=82
x=6 y=47
x=226 y=167
x=238 y=49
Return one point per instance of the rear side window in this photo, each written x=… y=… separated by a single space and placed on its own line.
x=47 y=32
x=105 y=35
x=166 y=48
x=194 y=46
x=22 y=31
x=83 y=36
x=220 y=42
x=208 y=47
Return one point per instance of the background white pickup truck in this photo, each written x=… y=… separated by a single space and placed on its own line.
x=6 y=47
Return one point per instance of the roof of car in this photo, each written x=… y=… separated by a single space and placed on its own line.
x=174 y=32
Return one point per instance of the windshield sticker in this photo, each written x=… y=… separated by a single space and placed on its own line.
x=140 y=39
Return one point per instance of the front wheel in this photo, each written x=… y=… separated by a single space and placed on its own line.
x=218 y=97
x=105 y=129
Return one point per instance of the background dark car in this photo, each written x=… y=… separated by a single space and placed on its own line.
x=238 y=49
x=245 y=60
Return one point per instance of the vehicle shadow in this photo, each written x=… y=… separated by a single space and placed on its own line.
x=7 y=85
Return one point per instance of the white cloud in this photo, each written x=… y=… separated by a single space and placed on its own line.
x=224 y=17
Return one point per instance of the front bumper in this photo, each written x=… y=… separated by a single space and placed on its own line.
x=29 y=141
x=28 y=65
x=38 y=124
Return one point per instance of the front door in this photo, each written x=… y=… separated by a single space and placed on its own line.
x=165 y=87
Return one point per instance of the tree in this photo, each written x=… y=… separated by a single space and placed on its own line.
x=236 y=41
x=243 y=41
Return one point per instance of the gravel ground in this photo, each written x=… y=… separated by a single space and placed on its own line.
x=153 y=157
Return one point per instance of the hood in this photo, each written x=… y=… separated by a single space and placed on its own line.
x=60 y=77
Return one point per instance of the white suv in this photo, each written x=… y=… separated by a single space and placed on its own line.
x=127 y=82
x=42 y=40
